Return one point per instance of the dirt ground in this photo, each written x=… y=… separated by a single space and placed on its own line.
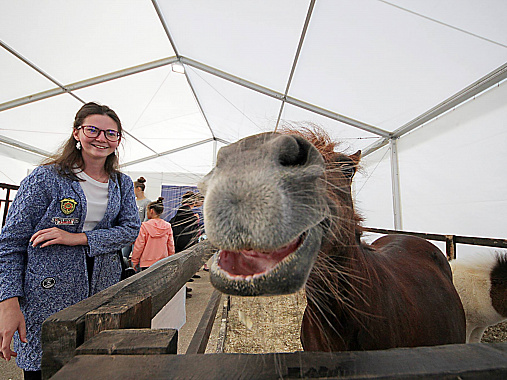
x=271 y=324
x=265 y=324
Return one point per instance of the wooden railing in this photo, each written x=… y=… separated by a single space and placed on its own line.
x=7 y=199
x=107 y=336
x=130 y=304
x=450 y=240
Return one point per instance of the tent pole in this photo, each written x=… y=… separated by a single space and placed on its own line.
x=214 y=158
x=287 y=99
x=395 y=182
x=296 y=58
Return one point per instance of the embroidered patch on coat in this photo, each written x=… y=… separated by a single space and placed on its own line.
x=68 y=205
x=48 y=283
x=65 y=221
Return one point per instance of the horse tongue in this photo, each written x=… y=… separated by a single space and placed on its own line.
x=245 y=263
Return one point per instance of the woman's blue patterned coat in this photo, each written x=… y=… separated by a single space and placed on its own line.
x=49 y=279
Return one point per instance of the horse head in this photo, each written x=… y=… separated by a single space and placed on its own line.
x=269 y=201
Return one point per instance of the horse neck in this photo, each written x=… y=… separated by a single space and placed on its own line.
x=342 y=265
x=341 y=271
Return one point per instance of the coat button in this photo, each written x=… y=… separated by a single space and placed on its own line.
x=48 y=283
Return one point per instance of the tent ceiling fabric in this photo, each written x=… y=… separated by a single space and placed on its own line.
x=187 y=77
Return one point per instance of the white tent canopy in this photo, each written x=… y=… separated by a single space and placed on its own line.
x=418 y=85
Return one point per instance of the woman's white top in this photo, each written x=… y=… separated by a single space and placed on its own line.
x=96 y=199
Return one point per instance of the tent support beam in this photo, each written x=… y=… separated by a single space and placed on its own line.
x=296 y=58
x=167 y=152
x=286 y=99
x=395 y=182
x=494 y=77
x=164 y=25
x=25 y=147
x=215 y=152
x=87 y=83
x=380 y=143
x=38 y=69
x=173 y=44
x=489 y=80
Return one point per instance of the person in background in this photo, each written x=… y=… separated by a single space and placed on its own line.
x=185 y=223
x=59 y=245
x=141 y=201
x=155 y=240
x=202 y=234
x=186 y=229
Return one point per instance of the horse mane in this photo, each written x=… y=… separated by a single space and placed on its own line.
x=333 y=280
x=326 y=146
x=314 y=134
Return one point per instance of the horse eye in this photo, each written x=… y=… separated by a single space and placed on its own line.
x=348 y=170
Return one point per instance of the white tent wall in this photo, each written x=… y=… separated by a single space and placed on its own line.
x=373 y=190
x=403 y=56
x=360 y=69
x=238 y=111
x=452 y=170
x=13 y=170
x=452 y=175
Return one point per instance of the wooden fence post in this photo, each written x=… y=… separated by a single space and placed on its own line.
x=450 y=247
x=131 y=303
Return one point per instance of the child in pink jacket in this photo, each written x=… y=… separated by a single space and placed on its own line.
x=155 y=240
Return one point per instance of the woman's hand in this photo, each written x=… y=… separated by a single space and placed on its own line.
x=11 y=320
x=54 y=235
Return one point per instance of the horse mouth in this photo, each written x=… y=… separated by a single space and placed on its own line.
x=239 y=265
x=276 y=272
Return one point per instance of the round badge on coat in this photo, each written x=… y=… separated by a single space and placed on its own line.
x=48 y=283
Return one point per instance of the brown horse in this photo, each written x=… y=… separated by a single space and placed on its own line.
x=279 y=206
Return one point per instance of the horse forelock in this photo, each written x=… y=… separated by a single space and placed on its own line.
x=344 y=222
x=340 y=275
x=315 y=135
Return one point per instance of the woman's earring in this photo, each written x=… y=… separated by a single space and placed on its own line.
x=78 y=145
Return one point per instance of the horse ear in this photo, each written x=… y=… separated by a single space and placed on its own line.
x=356 y=157
x=349 y=169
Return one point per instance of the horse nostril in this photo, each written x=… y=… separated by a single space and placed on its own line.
x=293 y=151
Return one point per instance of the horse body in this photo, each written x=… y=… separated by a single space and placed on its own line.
x=400 y=295
x=279 y=207
x=481 y=282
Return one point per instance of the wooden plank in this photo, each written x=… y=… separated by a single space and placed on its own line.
x=423 y=235
x=135 y=313
x=64 y=331
x=201 y=336
x=134 y=307
x=8 y=186
x=222 y=335
x=477 y=361
x=131 y=342
x=489 y=242
x=470 y=240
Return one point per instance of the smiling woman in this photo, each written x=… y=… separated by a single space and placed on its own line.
x=98 y=137
x=64 y=228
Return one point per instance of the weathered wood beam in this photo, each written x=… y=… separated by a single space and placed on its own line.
x=201 y=336
x=477 y=361
x=131 y=342
x=116 y=307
